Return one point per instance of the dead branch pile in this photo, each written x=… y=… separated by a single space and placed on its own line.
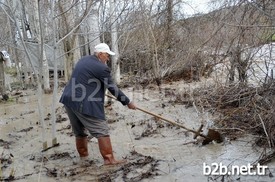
x=242 y=109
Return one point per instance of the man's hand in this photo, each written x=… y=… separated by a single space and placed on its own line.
x=131 y=105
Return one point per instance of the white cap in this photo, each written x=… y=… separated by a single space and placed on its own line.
x=102 y=47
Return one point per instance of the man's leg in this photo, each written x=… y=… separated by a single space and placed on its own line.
x=81 y=140
x=99 y=129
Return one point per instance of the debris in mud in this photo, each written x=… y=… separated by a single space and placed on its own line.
x=143 y=168
x=59 y=115
x=5 y=160
x=5 y=144
x=149 y=131
x=68 y=127
x=110 y=121
x=140 y=167
x=59 y=156
x=13 y=178
x=26 y=129
x=60 y=119
x=15 y=136
x=25 y=113
x=151 y=127
x=12 y=118
x=265 y=157
x=55 y=156
x=51 y=172
x=76 y=171
x=39 y=158
x=241 y=108
x=48 y=117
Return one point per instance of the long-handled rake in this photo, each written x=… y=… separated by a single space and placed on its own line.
x=210 y=136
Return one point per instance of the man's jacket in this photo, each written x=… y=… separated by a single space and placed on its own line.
x=85 y=91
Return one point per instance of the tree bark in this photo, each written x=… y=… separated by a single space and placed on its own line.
x=70 y=40
x=93 y=34
x=39 y=37
x=114 y=37
x=2 y=77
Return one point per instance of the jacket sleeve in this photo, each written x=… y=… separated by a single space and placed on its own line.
x=112 y=87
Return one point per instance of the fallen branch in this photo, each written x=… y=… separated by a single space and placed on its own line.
x=268 y=139
x=265 y=157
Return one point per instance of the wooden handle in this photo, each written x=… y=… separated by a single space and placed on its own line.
x=197 y=133
x=160 y=117
x=165 y=119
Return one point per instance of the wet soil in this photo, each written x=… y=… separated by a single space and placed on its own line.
x=154 y=150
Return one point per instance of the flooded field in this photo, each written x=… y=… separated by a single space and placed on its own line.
x=155 y=150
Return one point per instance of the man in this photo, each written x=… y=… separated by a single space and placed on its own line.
x=83 y=98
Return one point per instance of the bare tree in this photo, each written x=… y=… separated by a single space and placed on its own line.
x=114 y=37
x=69 y=30
x=27 y=52
x=248 y=26
x=4 y=63
x=55 y=88
x=38 y=26
x=92 y=35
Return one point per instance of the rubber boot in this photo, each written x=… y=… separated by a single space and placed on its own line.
x=82 y=146
x=106 y=151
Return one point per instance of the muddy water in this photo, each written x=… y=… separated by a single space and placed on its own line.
x=180 y=161
x=176 y=158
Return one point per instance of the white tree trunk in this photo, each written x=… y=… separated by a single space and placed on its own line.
x=42 y=55
x=44 y=62
x=93 y=33
x=39 y=95
x=45 y=72
x=55 y=88
x=115 y=58
x=76 y=54
x=2 y=77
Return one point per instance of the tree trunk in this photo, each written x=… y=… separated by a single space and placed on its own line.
x=115 y=58
x=70 y=43
x=2 y=77
x=55 y=87
x=44 y=67
x=39 y=95
x=69 y=64
x=72 y=56
x=93 y=35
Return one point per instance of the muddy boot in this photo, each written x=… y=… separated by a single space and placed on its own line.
x=106 y=151
x=82 y=146
x=82 y=149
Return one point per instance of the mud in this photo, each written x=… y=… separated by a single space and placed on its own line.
x=154 y=150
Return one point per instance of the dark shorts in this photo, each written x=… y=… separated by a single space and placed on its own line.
x=96 y=127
